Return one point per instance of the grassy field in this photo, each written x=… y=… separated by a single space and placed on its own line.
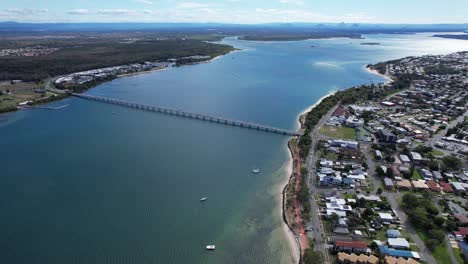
x=440 y=253
x=436 y=152
x=338 y=132
x=416 y=175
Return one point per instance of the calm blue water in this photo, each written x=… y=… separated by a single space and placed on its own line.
x=96 y=183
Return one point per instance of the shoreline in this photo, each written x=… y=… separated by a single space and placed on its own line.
x=58 y=98
x=293 y=240
x=387 y=78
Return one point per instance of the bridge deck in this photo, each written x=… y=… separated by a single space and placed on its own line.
x=198 y=116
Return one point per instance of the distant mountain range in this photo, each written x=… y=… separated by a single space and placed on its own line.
x=309 y=27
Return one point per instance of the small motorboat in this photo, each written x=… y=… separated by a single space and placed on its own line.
x=210 y=247
x=203 y=199
x=256 y=171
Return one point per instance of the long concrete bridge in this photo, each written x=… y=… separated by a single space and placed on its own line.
x=203 y=117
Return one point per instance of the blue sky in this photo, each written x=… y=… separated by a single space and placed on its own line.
x=236 y=11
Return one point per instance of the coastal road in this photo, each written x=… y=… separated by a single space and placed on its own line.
x=316 y=225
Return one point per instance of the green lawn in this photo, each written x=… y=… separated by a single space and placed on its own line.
x=436 y=152
x=338 y=132
x=458 y=255
x=440 y=253
x=416 y=175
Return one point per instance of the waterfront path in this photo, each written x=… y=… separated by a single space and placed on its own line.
x=297 y=211
x=191 y=115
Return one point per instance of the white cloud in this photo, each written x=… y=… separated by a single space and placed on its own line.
x=190 y=5
x=294 y=2
x=116 y=12
x=78 y=11
x=144 y=2
x=26 y=11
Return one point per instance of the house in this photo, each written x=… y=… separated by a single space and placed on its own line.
x=433 y=186
x=404 y=184
x=378 y=154
x=331 y=212
x=326 y=180
x=393 y=233
x=373 y=198
x=386 y=251
x=420 y=185
x=400 y=260
x=354 y=122
x=344 y=143
x=458 y=187
x=395 y=170
x=386 y=136
x=461 y=234
x=405 y=159
x=426 y=174
x=385 y=218
x=351 y=246
x=417 y=158
x=398 y=243
x=446 y=187
x=388 y=183
x=437 y=175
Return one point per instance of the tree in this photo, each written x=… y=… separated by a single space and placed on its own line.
x=410 y=200
x=380 y=172
x=436 y=234
x=451 y=163
x=313 y=257
x=389 y=173
x=439 y=221
x=432 y=244
x=379 y=191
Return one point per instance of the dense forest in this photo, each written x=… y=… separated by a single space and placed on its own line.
x=86 y=53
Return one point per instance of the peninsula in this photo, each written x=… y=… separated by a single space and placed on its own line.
x=385 y=165
x=81 y=60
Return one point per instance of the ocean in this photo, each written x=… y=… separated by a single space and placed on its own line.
x=97 y=183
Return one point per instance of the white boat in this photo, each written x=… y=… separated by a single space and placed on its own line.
x=203 y=199
x=210 y=247
x=256 y=171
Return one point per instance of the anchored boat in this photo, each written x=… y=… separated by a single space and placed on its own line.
x=210 y=247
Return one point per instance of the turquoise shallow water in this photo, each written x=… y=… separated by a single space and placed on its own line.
x=96 y=183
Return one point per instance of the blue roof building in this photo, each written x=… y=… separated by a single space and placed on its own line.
x=384 y=250
x=393 y=233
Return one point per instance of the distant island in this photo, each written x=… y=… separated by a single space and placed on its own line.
x=370 y=43
x=291 y=36
x=453 y=36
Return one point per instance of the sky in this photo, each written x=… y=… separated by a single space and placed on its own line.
x=237 y=11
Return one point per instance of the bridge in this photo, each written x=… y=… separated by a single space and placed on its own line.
x=191 y=115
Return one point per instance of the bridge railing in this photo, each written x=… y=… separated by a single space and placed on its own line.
x=192 y=115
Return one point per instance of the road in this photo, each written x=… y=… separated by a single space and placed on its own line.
x=437 y=137
x=316 y=225
x=425 y=253
x=48 y=85
x=392 y=199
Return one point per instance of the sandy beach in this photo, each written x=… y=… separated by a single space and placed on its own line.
x=288 y=170
x=292 y=240
x=388 y=79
